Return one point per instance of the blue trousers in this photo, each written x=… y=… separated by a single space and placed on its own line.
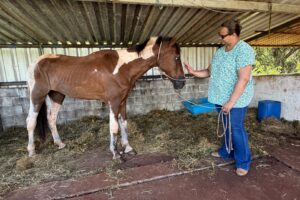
x=241 y=151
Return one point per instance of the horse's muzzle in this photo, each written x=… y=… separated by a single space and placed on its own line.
x=179 y=83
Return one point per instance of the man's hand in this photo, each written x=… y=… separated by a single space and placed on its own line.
x=204 y=73
x=227 y=106
x=189 y=68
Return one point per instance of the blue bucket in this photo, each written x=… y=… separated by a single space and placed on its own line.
x=198 y=106
x=268 y=108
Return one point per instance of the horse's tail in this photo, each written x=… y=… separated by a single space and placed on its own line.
x=42 y=122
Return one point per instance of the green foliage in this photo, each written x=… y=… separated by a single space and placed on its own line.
x=270 y=61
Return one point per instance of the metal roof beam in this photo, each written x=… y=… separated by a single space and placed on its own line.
x=215 y=4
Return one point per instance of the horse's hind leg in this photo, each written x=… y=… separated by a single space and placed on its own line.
x=31 y=124
x=56 y=102
x=37 y=99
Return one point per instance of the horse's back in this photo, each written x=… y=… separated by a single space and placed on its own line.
x=82 y=77
x=103 y=59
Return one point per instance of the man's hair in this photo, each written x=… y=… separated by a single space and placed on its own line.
x=233 y=26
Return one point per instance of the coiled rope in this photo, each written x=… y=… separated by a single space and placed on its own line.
x=225 y=122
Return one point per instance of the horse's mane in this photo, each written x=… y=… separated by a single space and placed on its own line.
x=140 y=47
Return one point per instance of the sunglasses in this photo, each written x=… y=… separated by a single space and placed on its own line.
x=223 y=36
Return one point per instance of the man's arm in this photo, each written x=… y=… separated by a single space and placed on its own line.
x=244 y=77
x=198 y=73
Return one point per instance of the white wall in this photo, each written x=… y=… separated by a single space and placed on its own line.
x=283 y=88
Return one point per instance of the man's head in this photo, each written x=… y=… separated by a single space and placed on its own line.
x=229 y=30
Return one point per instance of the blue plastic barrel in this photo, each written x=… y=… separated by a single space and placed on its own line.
x=268 y=108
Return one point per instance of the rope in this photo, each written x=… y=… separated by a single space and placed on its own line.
x=159 y=51
x=226 y=124
x=163 y=73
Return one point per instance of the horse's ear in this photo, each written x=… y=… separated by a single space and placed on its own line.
x=173 y=41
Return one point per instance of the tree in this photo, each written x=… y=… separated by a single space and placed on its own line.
x=277 y=60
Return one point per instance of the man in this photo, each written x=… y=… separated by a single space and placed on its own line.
x=231 y=90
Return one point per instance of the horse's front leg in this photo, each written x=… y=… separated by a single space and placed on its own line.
x=113 y=129
x=123 y=126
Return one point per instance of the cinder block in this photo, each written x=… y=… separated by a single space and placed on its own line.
x=20 y=120
x=69 y=100
x=80 y=113
x=17 y=101
x=138 y=109
x=8 y=92
x=130 y=100
x=6 y=101
x=11 y=110
x=23 y=92
x=7 y=121
x=138 y=100
x=66 y=114
x=25 y=104
x=14 y=121
x=95 y=104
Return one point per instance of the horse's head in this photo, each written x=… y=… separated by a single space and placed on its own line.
x=168 y=60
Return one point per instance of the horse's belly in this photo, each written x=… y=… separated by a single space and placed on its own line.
x=84 y=93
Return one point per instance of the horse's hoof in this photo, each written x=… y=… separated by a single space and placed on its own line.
x=31 y=154
x=119 y=159
x=61 y=145
x=131 y=153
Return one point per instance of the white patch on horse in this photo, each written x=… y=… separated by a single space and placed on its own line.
x=126 y=57
x=95 y=71
x=148 y=50
x=31 y=123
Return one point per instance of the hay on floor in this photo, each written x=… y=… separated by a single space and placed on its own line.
x=189 y=139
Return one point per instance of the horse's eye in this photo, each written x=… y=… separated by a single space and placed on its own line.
x=177 y=58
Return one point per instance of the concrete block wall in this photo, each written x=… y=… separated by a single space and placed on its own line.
x=14 y=106
x=158 y=95
x=283 y=88
x=151 y=95
x=146 y=96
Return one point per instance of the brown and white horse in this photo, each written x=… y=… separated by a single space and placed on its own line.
x=106 y=75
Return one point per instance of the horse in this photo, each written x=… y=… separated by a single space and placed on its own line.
x=105 y=75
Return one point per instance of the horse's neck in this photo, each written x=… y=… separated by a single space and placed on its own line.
x=141 y=66
x=138 y=64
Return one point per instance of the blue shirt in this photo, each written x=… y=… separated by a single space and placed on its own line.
x=224 y=74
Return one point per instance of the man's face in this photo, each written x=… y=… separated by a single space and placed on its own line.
x=223 y=35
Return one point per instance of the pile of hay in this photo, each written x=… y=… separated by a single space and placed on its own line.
x=189 y=139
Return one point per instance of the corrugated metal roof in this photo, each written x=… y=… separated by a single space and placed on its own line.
x=287 y=35
x=123 y=23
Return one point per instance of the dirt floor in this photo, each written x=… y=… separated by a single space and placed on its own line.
x=169 y=144
x=153 y=176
